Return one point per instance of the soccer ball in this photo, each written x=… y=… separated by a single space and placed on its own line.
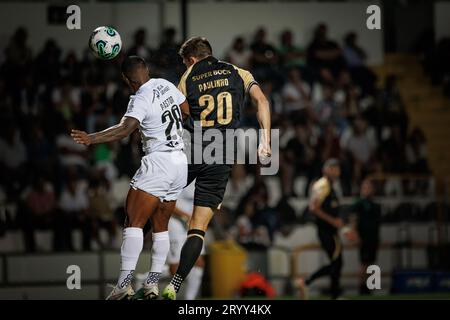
x=105 y=43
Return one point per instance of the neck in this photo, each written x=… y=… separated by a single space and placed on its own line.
x=195 y=60
x=139 y=83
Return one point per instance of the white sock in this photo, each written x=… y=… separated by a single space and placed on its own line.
x=160 y=250
x=193 y=282
x=132 y=243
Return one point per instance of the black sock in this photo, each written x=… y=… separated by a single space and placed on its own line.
x=189 y=254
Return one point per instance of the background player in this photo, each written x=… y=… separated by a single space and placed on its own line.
x=368 y=220
x=215 y=91
x=155 y=110
x=324 y=204
x=177 y=234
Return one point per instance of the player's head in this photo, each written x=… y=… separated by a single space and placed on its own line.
x=134 y=72
x=331 y=169
x=366 y=188
x=195 y=49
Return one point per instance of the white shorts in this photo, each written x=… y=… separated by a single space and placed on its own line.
x=162 y=174
x=177 y=236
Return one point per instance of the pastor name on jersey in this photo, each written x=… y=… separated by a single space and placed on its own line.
x=156 y=105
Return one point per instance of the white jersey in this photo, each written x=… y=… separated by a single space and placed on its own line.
x=156 y=105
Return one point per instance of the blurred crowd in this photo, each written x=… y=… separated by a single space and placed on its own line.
x=324 y=99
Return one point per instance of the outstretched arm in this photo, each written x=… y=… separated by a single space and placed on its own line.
x=263 y=115
x=119 y=131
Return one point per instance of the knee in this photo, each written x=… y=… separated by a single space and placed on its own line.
x=200 y=262
x=133 y=222
x=160 y=223
x=198 y=223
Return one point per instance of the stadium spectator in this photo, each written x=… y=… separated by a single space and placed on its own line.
x=292 y=56
x=328 y=144
x=73 y=204
x=393 y=144
x=392 y=106
x=297 y=157
x=66 y=98
x=416 y=152
x=239 y=54
x=47 y=64
x=13 y=159
x=40 y=149
x=326 y=110
x=169 y=63
x=325 y=56
x=296 y=92
x=100 y=212
x=71 y=69
x=359 y=141
x=255 y=220
x=39 y=211
x=139 y=47
x=355 y=57
x=275 y=101
x=240 y=182
x=264 y=58
x=70 y=153
x=18 y=63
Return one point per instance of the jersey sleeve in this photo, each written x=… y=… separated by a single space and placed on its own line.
x=320 y=190
x=137 y=108
x=178 y=95
x=182 y=83
x=247 y=77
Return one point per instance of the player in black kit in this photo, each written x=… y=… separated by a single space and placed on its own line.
x=215 y=91
x=324 y=204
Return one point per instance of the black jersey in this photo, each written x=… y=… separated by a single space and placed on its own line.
x=329 y=203
x=215 y=91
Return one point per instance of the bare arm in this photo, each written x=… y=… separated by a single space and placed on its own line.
x=119 y=131
x=263 y=115
x=314 y=207
x=185 y=109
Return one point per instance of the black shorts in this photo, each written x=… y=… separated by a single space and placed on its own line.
x=210 y=184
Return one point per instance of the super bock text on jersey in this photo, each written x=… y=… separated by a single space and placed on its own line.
x=215 y=91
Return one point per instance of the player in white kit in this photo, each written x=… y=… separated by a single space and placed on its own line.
x=177 y=235
x=157 y=108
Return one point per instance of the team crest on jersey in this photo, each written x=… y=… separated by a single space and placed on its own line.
x=155 y=94
x=130 y=105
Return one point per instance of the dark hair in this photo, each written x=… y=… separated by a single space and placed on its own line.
x=350 y=38
x=197 y=47
x=131 y=64
x=332 y=162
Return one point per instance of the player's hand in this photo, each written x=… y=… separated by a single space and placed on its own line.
x=338 y=223
x=81 y=137
x=350 y=234
x=264 y=152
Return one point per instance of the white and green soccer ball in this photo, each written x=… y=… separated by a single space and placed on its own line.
x=105 y=43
